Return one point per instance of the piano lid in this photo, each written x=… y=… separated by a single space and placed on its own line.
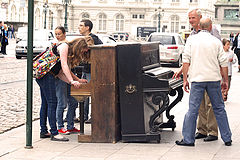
x=150 y=55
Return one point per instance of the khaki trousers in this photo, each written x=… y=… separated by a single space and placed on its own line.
x=207 y=124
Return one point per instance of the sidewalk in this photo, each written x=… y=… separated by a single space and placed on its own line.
x=13 y=142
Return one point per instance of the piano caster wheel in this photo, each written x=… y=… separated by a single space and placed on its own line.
x=173 y=129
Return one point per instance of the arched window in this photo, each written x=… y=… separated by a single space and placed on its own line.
x=21 y=14
x=37 y=19
x=155 y=21
x=85 y=16
x=175 y=24
x=119 y=22
x=13 y=13
x=102 y=22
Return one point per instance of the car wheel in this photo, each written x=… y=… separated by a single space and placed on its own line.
x=18 y=57
x=179 y=62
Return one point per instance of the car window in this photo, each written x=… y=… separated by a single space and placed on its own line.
x=164 y=39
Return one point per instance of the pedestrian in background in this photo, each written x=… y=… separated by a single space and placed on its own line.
x=13 y=31
x=236 y=48
x=4 y=39
x=207 y=124
x=9 y=32
x=85 y=28
x=231 y=37
x=231 y=61
x=200 y=58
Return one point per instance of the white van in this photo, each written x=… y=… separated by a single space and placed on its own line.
x=171 y=47
x=42 y=39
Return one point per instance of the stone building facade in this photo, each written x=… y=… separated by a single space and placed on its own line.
x=109 y=15
x=227 y=16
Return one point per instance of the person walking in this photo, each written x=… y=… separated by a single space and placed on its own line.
x=236 y=48
x=207 y=124
x=85 y=28
x=64 y=98
x=210 y=57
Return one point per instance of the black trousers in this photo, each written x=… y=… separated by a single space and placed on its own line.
x=237 y=52
x=3 y=49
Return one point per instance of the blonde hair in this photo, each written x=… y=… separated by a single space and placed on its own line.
x=76 y=51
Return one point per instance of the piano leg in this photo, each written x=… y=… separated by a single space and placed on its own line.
x=171 y=123
x=81 y=115
x=162 y=100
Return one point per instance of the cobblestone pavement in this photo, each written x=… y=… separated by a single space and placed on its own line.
x=13 y=92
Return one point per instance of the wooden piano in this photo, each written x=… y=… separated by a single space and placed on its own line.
x=129 y=92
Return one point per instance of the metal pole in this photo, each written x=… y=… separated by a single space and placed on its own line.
x=65 y=24
x=29 y=75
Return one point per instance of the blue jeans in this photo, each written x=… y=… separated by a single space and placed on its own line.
x=86 y=76
x=64 y=99
x=196 y=94
x=49 y=104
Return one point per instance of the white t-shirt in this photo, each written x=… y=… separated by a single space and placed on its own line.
x=231 y=55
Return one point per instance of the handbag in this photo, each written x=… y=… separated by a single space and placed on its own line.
x=45 y=61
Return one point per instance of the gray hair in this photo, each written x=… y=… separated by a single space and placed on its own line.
x=198 y=11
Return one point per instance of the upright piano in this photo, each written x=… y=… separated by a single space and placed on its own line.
x=129 y=91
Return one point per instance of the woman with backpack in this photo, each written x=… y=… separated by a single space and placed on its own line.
x=70 y=56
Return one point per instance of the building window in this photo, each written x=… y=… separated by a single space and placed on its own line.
x=102 y=22
x=37 y=19
x=175 y=24
x=155 y=21
x=216 y=12
x=21 y=14
x=182 y=27
x=231 y=13
x=119 y=22
x=134 y=16
x=138 y=0
x=193 y=1
x=85 y=16
x=13 y=13
x=157 y=0
x=175 y=0
x=141 y=16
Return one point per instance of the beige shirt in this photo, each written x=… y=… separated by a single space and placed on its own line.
x=205 y=54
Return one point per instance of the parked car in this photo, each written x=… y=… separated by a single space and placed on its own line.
x=21 y=33
x=171 y=47
x=106 y=39
x=42 y=39
x=120 y=36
